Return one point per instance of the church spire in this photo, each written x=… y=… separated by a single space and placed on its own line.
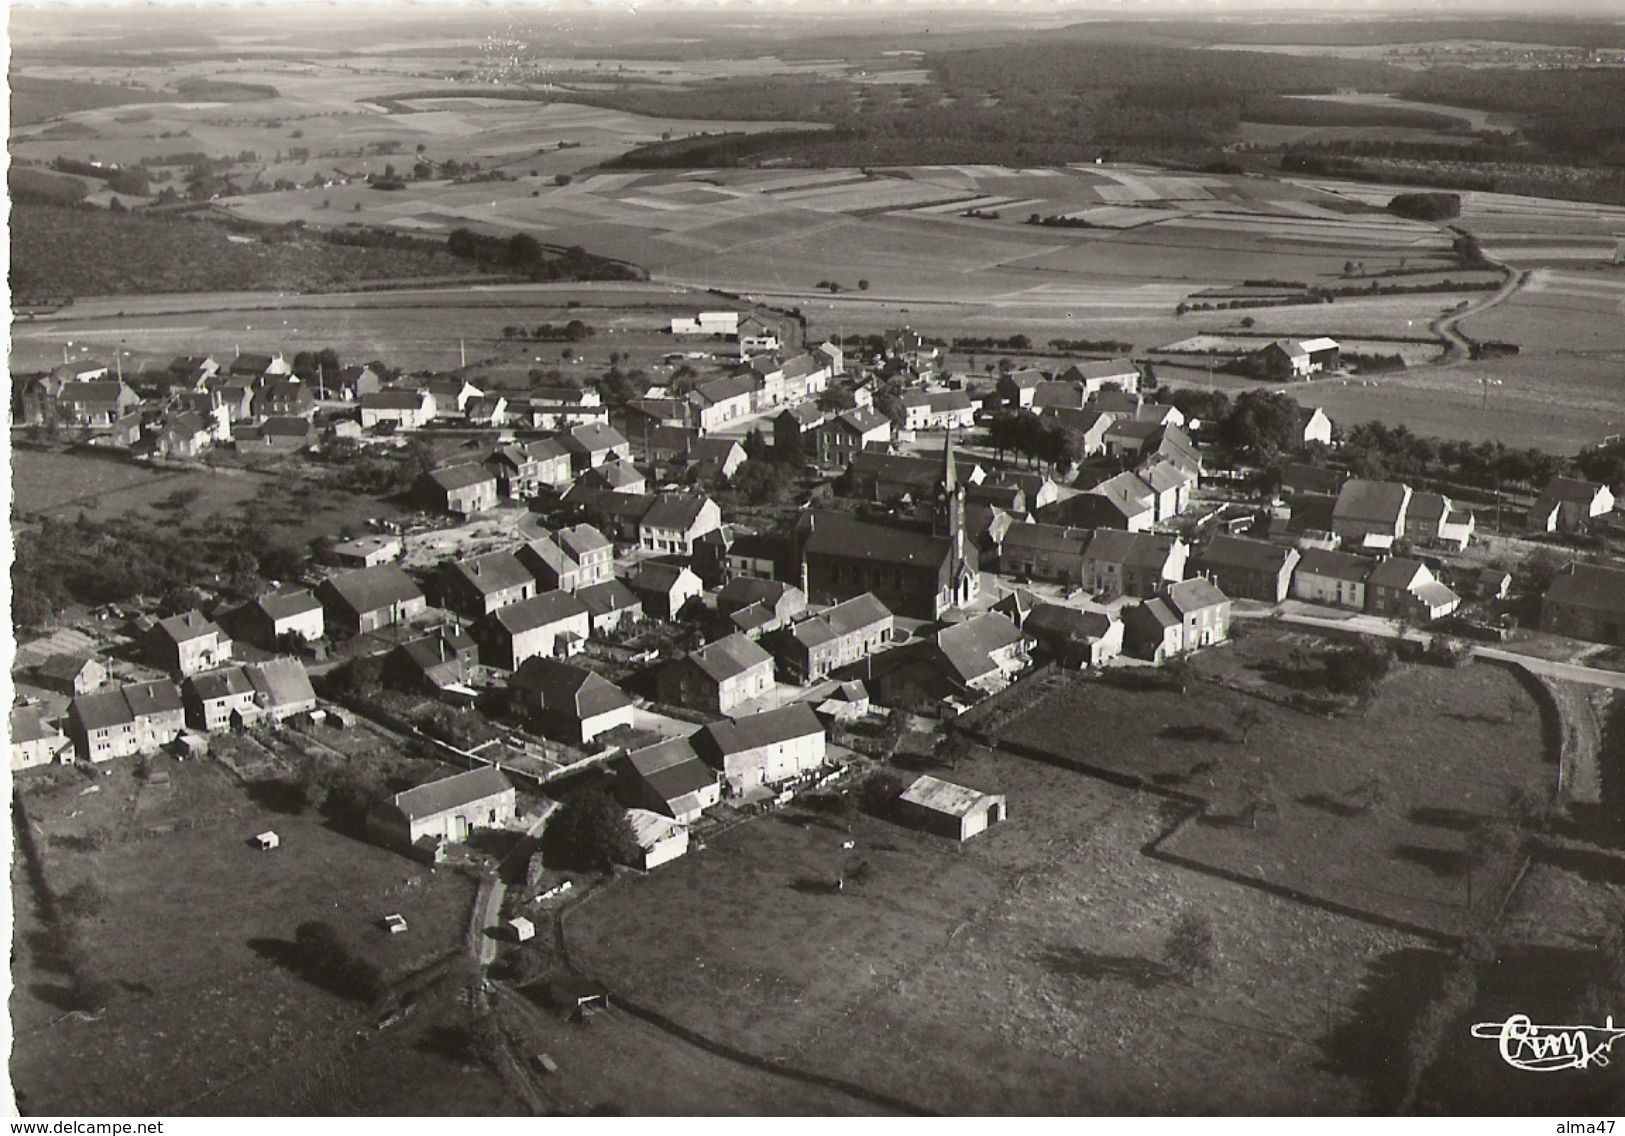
x=948 y=480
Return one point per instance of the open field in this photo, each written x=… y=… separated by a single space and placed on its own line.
x=1018 y=973
x=193 y=932
x=56 y=483
x=1443 y=744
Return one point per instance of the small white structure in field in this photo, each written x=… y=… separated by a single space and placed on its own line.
x=523 y=929
x=267 y=840
x=395 y=924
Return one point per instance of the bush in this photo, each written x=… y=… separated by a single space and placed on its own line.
x=1426 y=206
x=331 y=962
x=1358 y=669
x=1191 y=947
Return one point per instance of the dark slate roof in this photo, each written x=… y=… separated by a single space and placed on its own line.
x=1225 y=551
x=672 y=768
x=744 y=590
x=1335 y=565
x=1312 y=478
x=1395 y=572
x=1055 y=538
x=28 y=726
x=721 y=390
x=1101 y=369
x=1141 y=550
x=863 y=419
x=590 y=437
x=491 y=573
x=368 y=589
x=611 y=595
x=1058 y=621
x=1570 y=489
x=567 y=689
x=1363 y=500
x=729 y=657
x=452 y=792
x=220 y=684
x=394 y=398
x=427 y=652
x=1590 y=586
x=146 y=698
x=187 y=626
x=656 y=576
x=836 y=534
x=771 y=727
x=63 y=667
x=102 y=709
x=538 y=611
x=282 y=605
x=677 y=511
x=1126 y=493
x=968 y=645
x=454 y=477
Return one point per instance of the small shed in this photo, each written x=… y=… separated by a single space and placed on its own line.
x=952 y=810
x=523 y=929
x=395 y=924
x=577 y=998
x=265 y=841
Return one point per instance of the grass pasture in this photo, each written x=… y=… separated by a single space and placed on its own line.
x=1445 y=747
x=1019 y=972
x=60 y=484
x=191 y=930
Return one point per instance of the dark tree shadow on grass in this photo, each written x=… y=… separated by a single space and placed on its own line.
x=1306 y=678
x=1480 y=717
x=1456 y=820
x=1073 y=962
x=814 y=887
x=1194 y=732
x=1329 y=804
x=1439 y=861
x=1369 y=1044
x=278 y=796
x=62 y=998
x=1169 y=778
x=286 y=954
x=450 y=1042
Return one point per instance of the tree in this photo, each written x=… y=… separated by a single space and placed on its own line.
x=756 y=445
x=1258 y=793
x=1191 y=947
x=898 y=724
x=590 y=832
x=1488 y=845
x=863 y=285
x=1357 y=670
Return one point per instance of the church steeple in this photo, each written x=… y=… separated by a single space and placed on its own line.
x=950 y=518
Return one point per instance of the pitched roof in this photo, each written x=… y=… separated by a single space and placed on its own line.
x=729 y=657
x=1570 y=489
x=1061 y=621
x=679 y=511
x=944 y=797
x=1139 y=550
x=430 y=652
x=285 y=605
x=283 y=682
x=146 y=698
x=187 y=626
x=770 y=727
x=1590 y=586
x=743 y=590
x=99 y=710
x=721 y=390
x=452 y=792
x=1126 y=493
x=1193 y=595
x=590 y=437
x=672 y=769
x=1051 y=538
x=220 y=684
x=1162 y=475
x=1429 y=507
x=461 y=476
x=368 y=589
x=1395 y=572
x=1435 y=594
x=1225 y=551
x=538 y=611
x=1101 y=369
x=1335 y=565
x=27 y=725
x=657 y=576
x=491 y=573
x=1155 y=609
x=856 y=614
x=968 y=645
x=611 y=595
x=567 y=689
x=64 y=667
x=836 y=534
x=1312 y=478
x=1360 y=499
x=863 y=420
x=394 y=398
x=579 y=540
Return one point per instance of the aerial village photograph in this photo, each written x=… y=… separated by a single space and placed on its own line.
x=807 y=560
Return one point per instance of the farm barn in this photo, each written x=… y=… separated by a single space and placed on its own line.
x=446 y=810
x=1299 y=358
x=946 y=809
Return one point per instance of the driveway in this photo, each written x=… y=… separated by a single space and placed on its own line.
x=488 y=903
